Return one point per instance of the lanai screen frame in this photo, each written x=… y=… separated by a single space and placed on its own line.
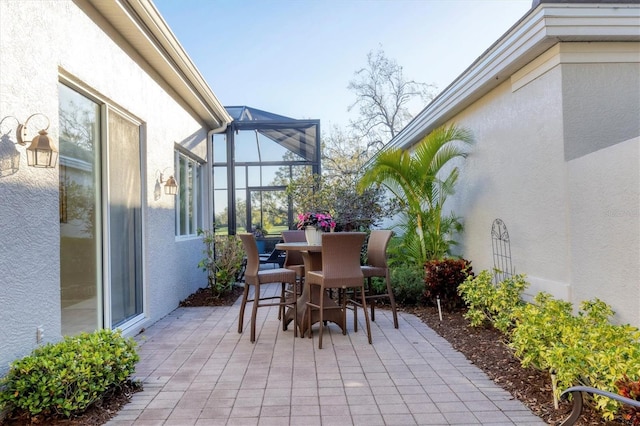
x=287 y=132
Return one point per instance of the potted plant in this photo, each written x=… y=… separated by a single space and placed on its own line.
x=314 y=223
x=259 y=232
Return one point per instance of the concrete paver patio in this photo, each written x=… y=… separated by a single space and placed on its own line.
x=197 y=370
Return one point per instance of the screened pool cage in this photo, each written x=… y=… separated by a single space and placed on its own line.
x=253 y=162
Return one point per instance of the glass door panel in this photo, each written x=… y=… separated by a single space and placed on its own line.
x=79 y=187
x=125 y=219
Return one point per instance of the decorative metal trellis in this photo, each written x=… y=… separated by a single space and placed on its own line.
x=502 y=266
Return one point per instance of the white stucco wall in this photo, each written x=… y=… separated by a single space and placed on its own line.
x=605 y=228
x=68 y=43
x=573 y=222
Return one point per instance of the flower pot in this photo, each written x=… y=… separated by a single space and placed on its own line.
x=313 y=235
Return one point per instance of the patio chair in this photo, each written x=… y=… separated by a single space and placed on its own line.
x=255 y=277
x=340 y=270
x=276 y=257
x=377 y=267
x=294 y=260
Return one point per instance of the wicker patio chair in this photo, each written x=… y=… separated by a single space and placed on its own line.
x=340 y=270
x=255 y=277
x=377 y=267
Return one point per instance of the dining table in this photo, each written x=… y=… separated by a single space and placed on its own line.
x=312 y=258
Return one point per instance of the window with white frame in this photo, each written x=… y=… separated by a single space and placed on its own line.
x=189 y=197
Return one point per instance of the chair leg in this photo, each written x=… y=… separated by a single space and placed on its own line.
x=283 y=287
x=355 y=312
x=344 y=311
x=245 y=295
x=392 y=300
x=254 y=311
x=373 y=301
x=295 y=309
x=321 y=317
x=309 y=309
x=366 y=314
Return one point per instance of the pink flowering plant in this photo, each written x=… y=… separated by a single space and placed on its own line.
x=322 y=221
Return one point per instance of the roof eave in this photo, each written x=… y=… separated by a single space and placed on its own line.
x=140 y=24
x=537 y=31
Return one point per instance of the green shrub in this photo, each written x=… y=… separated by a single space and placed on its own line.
x=67 y=377
x=442 y=278
x=222 y=261
x=407 y=282
x=583 y=349
x=487 y=302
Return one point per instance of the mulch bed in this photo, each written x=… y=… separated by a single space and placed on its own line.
x=98 y=413
x=485 y=348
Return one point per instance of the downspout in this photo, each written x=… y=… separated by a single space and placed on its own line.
x=221 y=129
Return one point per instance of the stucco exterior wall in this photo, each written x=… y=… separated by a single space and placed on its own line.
x=573 y=222
x=68 y=44
x=513 y=173
x=605 y=228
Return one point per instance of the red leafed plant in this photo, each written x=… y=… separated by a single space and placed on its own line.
x=630 y=389
x=442 y=278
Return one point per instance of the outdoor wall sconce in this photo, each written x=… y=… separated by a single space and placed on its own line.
x=170 y=187
x=43 y=151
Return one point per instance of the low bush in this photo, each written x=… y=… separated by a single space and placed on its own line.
x=65 y=378
x=583 y=349
x=576 y=349
x=491 y=303
x=222 y=261
x=442 y=278
x=407 y=282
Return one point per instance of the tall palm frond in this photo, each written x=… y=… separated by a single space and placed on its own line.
x=415 y=179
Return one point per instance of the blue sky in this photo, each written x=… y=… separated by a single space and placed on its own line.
x=296 y=57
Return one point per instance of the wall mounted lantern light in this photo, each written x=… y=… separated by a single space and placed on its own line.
x=43 y=151
x=170 y=186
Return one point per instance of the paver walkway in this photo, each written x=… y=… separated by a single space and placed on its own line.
x=197 y=370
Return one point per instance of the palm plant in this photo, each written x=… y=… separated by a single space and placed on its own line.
x=419 y=181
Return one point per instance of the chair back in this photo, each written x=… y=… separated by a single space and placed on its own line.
x=253 y=257
x=377 y=248
x=341 y=259
x=293 y=257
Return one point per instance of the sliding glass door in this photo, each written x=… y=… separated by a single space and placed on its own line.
x=100 y=215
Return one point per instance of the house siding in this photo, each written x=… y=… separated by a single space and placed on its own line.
x=600 y=106
x=568 y=192
x=42 y=43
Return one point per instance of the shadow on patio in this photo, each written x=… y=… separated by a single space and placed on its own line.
x=197 y=369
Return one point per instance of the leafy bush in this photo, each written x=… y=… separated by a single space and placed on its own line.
x=442 y=278
x=65 y=378
x=407 y=282
x=492 y=303
x=222 y=261
x=583 y=349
